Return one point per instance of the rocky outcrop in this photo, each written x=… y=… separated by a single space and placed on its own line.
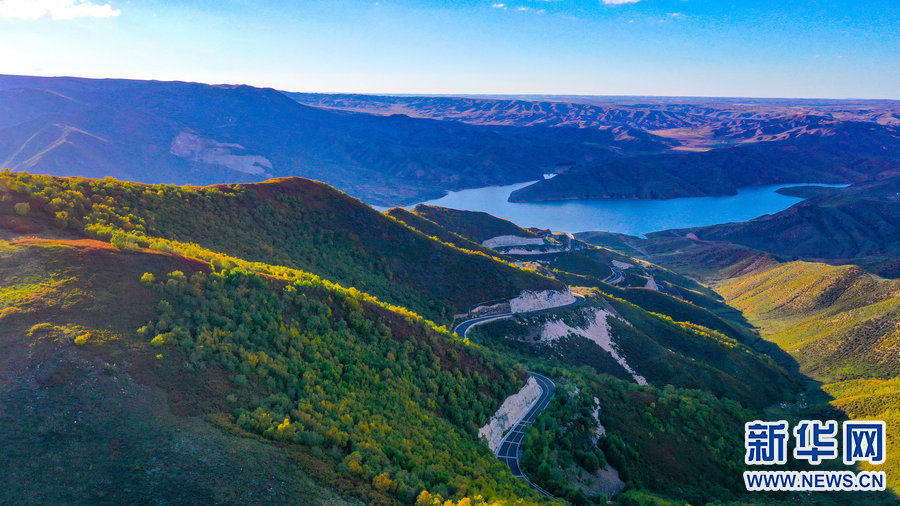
x=200 y=149
x=545 y=299
x=505 y=241
x=597 y=330
x=511 y=411
x=608 y=479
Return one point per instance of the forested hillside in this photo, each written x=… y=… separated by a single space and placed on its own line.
x=475 y=225
x=293 y=223
x=432 y=229
x=287 y=323
x=368 y=401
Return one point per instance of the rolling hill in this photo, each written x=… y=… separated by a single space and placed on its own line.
x=838 y=322
x=188 y=133
x=847 y=152
x=639 y=285
x=856 y=225
x=291 y=222
x=693 y=121
x=287 y=324
x=842 y=325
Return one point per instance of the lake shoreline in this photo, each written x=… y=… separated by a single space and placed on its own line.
x=635 y=217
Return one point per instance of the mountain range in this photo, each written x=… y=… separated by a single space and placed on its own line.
x=841 y=152
x=248 y=335
x=180 y=133
x=393 y=150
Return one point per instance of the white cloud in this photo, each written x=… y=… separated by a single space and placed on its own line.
x=529 y=9
x=499 y=6
x=620 y=2
x=55 y=9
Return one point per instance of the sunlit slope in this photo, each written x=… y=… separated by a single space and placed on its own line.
x=83 y=392
x=843 y=326
x=292 y=222
x=874 y=399
x=839 y=322
x=374 y=403
x=432 y=229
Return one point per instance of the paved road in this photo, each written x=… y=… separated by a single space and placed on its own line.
x=463 y=328
x=510 y=450
x=616 y=277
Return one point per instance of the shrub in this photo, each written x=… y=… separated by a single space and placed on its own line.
x=148 y=279
x=158 y=341
x=22 y=208
x=122 y=240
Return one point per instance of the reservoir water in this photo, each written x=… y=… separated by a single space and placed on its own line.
x=634 y=217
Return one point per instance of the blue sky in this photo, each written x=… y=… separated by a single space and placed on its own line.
x=763 y=48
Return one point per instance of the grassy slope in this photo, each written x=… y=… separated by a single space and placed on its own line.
x=291 y=222
x=59 y=336
x=840 y=322
x=474 y=225
x=842 y=325
x=432 y=229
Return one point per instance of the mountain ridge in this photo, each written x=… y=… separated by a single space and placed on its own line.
x=180 y=133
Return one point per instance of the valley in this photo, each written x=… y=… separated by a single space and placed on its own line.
x=472 y=349
x=464 y=253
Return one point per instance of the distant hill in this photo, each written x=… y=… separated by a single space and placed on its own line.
x=188 y=133
x=691 y=120
x=845 y=152
x=859 y=224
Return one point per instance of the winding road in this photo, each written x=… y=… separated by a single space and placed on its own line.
x=616 y=277
x=510 y=450
x=462 y=328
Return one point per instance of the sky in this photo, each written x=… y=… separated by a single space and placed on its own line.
x=758 y=48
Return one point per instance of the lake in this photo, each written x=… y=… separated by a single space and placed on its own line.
x=634 y=217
